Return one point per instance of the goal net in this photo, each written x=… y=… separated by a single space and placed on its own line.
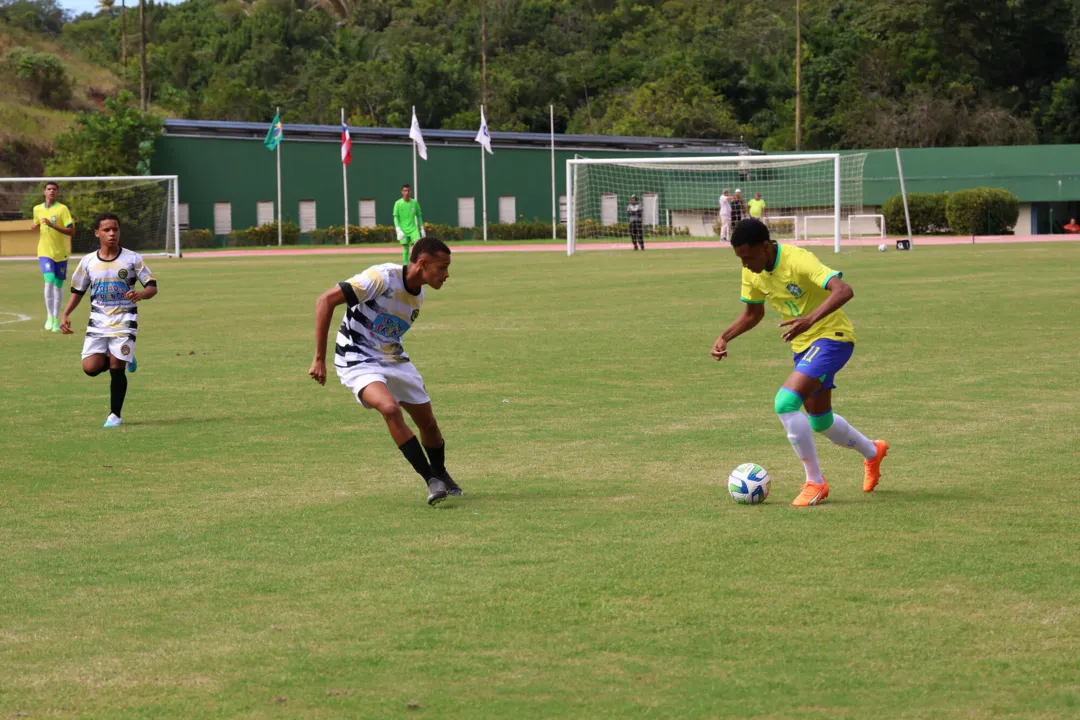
x=680 y=196
x=146 y=205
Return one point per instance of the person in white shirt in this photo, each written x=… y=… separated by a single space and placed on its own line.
x=725 y=216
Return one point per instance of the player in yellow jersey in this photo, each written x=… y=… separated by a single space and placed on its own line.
x=53 y=219
x=808 y=296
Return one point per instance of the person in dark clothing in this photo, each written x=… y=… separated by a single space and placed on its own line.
x=738 y=208
x=635 y=215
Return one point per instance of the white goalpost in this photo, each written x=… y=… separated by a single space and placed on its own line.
x=681 y=195
x=148 y=207
x=861 y=227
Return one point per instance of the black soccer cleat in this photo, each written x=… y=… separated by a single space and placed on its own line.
x=452 y=488
x=437 y=491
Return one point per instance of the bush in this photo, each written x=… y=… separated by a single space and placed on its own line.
x=927 y=211
x=982 y=211
x=190 y=239
x=41 y=74
x=265 y=235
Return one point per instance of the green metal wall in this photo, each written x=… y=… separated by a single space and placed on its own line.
x=243 y=172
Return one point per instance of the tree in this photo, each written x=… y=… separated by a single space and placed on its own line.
x=117 y=141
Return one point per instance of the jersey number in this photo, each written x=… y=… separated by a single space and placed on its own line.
x=811 y=354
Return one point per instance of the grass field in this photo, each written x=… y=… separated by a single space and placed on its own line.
x=251 y=545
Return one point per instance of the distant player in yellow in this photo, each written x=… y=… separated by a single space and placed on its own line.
x=757 y=207
x=54 y=221
x=809 y=296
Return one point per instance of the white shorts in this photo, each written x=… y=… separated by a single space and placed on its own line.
x=403 y=379
x=725 y=226
x=121 y=348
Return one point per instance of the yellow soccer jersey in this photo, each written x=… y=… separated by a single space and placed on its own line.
x=795 y=286
x=757 y=208
x=53 y=244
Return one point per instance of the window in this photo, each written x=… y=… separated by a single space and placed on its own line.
x=507 y=209
x=562 y=209
x=367 y=213
x=222 y=218
x=183 y=215
x=650 y=203
x=609 y=209
x=466 y=212
x=264 y=212
x=307 y=216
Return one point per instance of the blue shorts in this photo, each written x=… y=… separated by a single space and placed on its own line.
x=56 y=267
x=823 y=359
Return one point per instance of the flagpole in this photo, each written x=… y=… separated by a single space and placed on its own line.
x=483 y=182
x=554 y=200
x=415 y=193
x=278 y=153
x=345 y=184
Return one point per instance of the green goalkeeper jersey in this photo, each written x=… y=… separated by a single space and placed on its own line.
x=407 y=218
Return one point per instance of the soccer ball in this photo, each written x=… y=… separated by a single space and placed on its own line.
x=748 y=484
x=882 y=247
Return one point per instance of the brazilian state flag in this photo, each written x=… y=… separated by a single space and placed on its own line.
x=274 y=134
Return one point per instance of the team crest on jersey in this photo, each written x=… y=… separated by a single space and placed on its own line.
x=125 y=350
x=794 y=289
x=122 y=274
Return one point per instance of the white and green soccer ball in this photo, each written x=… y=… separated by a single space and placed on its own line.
x=749 y=484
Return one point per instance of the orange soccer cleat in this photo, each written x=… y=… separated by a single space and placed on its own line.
x=872 y=472
x=812 y=494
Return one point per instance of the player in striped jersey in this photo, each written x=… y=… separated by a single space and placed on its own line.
x=110 y=275
x=383 y=303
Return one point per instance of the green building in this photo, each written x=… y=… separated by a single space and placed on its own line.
x=227 y=178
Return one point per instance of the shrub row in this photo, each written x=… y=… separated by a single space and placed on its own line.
x=980 y=211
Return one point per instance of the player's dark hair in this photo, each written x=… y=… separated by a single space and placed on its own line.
x=406 y=185
x=102 y=217
x=428 y=246
x=53 y=183
x=750 y=231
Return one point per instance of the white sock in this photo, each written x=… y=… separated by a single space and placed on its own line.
x=58 y=297
x=841 y=433
x=801 y=438
x=49 y=299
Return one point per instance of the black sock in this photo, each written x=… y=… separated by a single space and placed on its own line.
x=437 y=456
x=117 y=390
x=415 y=455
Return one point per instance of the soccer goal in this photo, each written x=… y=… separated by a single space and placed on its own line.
x=148 y=207
x=681 y=195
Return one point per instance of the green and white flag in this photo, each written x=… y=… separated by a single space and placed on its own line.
x=274 y=134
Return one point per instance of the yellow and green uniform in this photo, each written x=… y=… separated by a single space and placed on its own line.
x=757 y=208
x=795 y=286
x=52 y=244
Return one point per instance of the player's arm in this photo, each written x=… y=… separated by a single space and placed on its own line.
x=420 y=220
x=324 y=313
x=149 y=284
x=751 y=315
x=839 y=294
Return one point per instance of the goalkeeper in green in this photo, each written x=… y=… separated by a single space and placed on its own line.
x=408 y=222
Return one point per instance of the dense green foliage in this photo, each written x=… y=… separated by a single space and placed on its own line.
x=927 y=212
x=876 y=73
x=982 y=211
x=117 y=141
x=41 y=74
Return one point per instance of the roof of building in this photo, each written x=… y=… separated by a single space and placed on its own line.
x=323 y=133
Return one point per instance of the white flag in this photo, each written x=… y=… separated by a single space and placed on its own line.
x=483 y=136
x=415 y=136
